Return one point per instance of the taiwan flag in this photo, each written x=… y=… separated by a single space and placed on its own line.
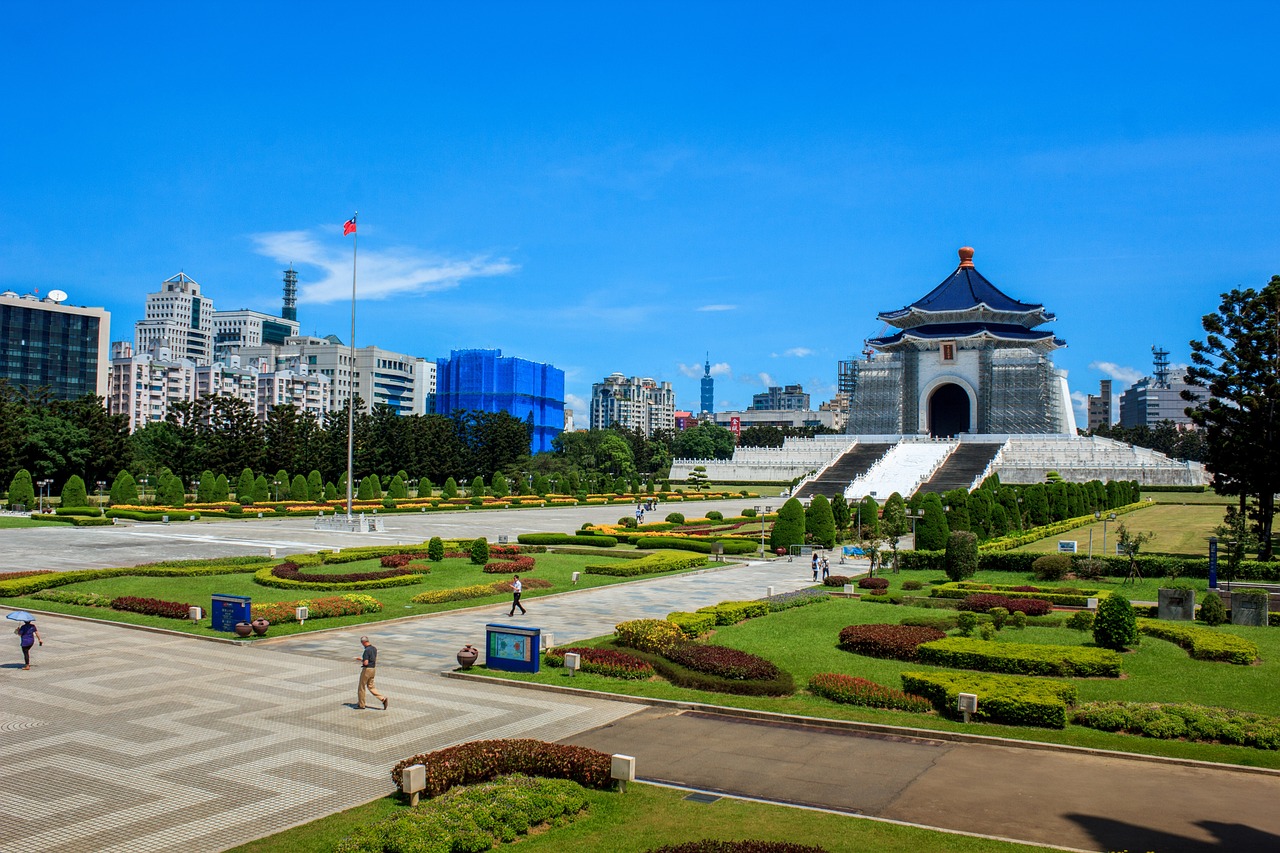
x=349 y=227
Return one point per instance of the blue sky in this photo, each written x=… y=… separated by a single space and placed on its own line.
x=623 y=187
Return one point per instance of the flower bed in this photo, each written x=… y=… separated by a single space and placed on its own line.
x=462 y=593
x=1181 y=721
x=291 y=572
x=508 y=567
x=693 y=624
x=723 y=662
x=851 y=690
x=83 y=599
x=1202 y=643
x=152 y=607
x=608 y=662
x=1064 y=596
x=897 y=642
x=711 y=845
x=648 y=635
x=281 y=577
x=651 y=565
x=1011 y=699
x=983 y=601
x=1021 y=658
x=397 y=561
x=482 y=760
x=873 y=583
x=733 y=612
x=8 y=576
x=798 y=598
x=277 y=612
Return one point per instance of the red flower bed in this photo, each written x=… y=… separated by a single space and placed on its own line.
x=608 y=662
x=152 y=607
x=5 y=576
x=873 y=583
x=897 y=642
x=723 y=662
x=516 y=566
x=399 y=561
x=984 y=601
x=482 y=760
x=505 y=552
x=1024 y=589
x=291 y=572
x=852 y=690
x=836 y=580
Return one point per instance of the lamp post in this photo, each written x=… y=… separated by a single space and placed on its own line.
x=195 y=488
x=142 y=482
x=275 y=489
x=102 y=485
x=44 y=488
x=1111 y=517
x=762 y=511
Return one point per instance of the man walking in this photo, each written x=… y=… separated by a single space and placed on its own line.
x=516 y=588
x=368 y=671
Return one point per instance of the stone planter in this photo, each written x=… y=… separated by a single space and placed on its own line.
x=1248 y=609
x=243 y=629
x=260 y=626
x=467 y=656
x=1178 y=605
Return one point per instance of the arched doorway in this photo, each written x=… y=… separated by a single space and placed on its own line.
x=948 y=411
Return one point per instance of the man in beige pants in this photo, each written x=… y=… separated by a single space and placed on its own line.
x=368 y=671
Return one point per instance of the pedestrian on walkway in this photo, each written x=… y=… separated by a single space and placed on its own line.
x=368 y=671
x=516 y=589
x=28 y=636
x=826 y=568
x=815 y=566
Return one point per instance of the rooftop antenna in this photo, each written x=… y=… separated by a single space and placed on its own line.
x=290 y=310
x=1161 y=357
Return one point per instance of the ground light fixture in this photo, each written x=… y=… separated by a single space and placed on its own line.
x=967 y=704
x=572 y=662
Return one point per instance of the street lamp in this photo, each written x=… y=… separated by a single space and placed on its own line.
x=142 y=497
x=44 y=488
x=102 y=485
x=275 y=489
x=195 y=488
x=1111 y=517
x=761 y=512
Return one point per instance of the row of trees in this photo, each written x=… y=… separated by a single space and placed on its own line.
x=1164 y=437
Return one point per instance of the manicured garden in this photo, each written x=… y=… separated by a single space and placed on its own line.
x=347 y=588
x=1174 y=663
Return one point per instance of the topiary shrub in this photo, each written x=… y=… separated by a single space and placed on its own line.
x=897 y=642
x=999 y=615
x=788 y=527
x=1212 y=611
x=435 y=549
x=627 y=521
x=73 y=493
x=480 y=551
x=1081 y=620
x=1018 y=620
x=715 y=515
x=966 y=621
x=873 y=583
x=836 y=580
x=1090 y=568
x=749 y=512
x=912 y=585
x=1115 y=626
x=675 y=517
x=1051 y=567
x=961 y=558
x=712 y=845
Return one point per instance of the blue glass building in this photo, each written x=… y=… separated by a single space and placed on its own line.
x=482 y=379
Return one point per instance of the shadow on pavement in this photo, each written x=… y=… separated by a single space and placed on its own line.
x=1117 y=835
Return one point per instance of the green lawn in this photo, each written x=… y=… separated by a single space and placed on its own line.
x=449 y=574
x=1209 y=497
x=803 y=642
x=1179 y=529
x=647 y=816
x=1145 y=589
x=9 y=521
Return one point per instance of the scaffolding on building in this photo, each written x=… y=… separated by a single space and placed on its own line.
x=1020 y=398
x=875 y=394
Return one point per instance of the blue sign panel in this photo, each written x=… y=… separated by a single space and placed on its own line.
x=227 y=610
x=512 y=648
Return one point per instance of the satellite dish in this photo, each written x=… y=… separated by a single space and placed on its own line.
x=57 y=296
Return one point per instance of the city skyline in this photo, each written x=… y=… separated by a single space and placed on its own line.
x=731 y=179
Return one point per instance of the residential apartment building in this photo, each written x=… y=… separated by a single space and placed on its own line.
x=787 y=398
x=244 y=328
x=1100 y=406
x=47 y=344
x=178 y=318
x=228 y=380
x=485 y=380
x=634 y=403
x=143 y=386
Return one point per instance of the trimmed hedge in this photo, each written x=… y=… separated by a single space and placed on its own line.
x=682 y=676
x=482 y=760
x=711 y=845
x=277 y=612
x=1064 y=596
x=83 y=599
x=723 y=662
x=511 y=567
x=1151 y=565
x=463 y=593
x=798 y=598
x=267 y=577
x=21 y=586
x=983 y=602
x=701 y=545
x=692 y=624
x=594 y=539
x=656 y=636
x=1021 y=658
x=733 y=612
x=896 y=642
x=851 y=690
x=650 y=565
x=152 y=607
x=178 y=514
x=607 y=662
x=1202 y=643
x=873 y=583
x=1012 y=699
x=1181 y=721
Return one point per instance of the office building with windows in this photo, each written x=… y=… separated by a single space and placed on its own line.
x=633 y=403
x=487 y=381
x=47 y=344
x=179 y=319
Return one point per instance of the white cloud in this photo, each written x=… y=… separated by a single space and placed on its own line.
x=579 y=405
x=696 y=371
x=766 y=380
x=794 y=352
x=382 y=273
x=718 y=308
x=1080 y=402
x=1124 y=375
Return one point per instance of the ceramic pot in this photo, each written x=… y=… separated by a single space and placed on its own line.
x=243 y=629
x=260 y=626
x=467 y=656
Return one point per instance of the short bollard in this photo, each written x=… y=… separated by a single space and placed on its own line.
x=623 y=769
x=413 y=781
x=848 y=589
x=1092 y=603
x=301 y=614
x=769 y=591
x=572 y=662
x=548 y=640
x=194 y=614
x=967 y=704
x=574 y=577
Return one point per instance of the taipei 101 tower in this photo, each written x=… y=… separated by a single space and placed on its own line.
x=708 y=389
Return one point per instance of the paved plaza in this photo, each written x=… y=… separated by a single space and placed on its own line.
x=122 y=739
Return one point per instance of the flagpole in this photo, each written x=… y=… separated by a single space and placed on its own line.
x=351 y=397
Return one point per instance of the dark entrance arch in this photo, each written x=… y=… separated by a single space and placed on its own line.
x=948 y=411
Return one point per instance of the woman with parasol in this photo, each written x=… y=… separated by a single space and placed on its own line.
x=28 y=636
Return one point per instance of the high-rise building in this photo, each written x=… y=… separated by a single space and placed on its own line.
x=635 y=403
x=178 y=318
x=244 y=328
x=484 y=380
x=1100 y=406
x=708 y=389
x=145 y=385
x=788 y=398
x=46 y=344
x=1156 y=398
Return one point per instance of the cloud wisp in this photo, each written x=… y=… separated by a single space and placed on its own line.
x=383 y=273
x=794 y=352
x=718 y=308
x=696 y=371
x=1125 y=375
